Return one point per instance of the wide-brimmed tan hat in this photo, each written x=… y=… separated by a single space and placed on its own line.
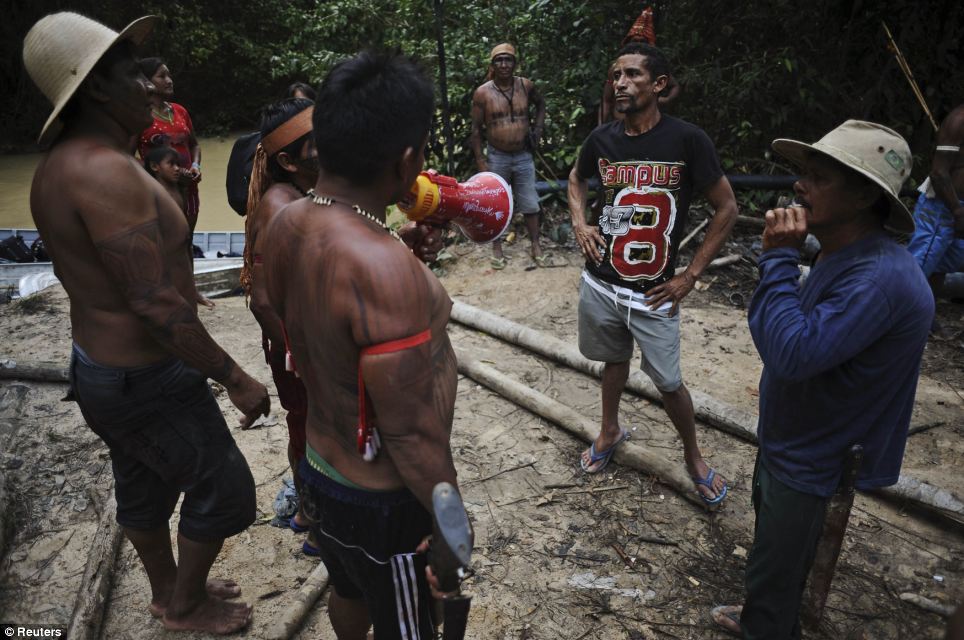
x=500 y=49
x=61 y=50
x=872 y=150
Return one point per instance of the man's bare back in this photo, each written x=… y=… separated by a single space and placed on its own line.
x=78 y=192
x=352 y=285
x=120 y=246
x=505 y=113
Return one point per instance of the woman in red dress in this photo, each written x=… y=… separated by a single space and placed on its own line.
x=172 y=127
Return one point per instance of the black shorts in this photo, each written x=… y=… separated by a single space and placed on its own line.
x=367 y=541
x=166 y=436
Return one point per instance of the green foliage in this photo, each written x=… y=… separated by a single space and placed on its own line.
x=749 y=72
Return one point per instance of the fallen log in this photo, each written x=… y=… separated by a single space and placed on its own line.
x=733 y=258
x=928 y=605
x=629 y=453
x=750 y=221
x=917 y=492
x=36 y=371
x=713 y=412
x=294 y=616
x=12 y=399
x=693 y=233
x=708 y=409
x=98 y=575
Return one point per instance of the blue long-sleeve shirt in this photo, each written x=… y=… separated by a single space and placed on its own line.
x=841 y=357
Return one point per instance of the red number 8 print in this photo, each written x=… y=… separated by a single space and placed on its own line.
x=642 y=252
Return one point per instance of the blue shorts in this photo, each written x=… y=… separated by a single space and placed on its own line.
x=166 y=436
x=519 y=171
x=933 y=243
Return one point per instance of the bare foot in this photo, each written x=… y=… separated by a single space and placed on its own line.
x=728 y=617
x=207 y=302
x=212 y=615
x=224 y=589
x=701 y=470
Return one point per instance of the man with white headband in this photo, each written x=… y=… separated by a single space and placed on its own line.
x=938 y=240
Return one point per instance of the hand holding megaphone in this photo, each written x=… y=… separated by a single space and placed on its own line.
x=481 y=207
x=426 y=240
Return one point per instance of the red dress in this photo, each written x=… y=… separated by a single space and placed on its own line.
x=175 y=134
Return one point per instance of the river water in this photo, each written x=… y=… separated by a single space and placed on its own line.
x=16 y=173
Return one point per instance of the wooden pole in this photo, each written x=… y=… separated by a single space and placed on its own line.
x=905 y=68
x=733 y=258
x=713 y=412
x=11 y=369
x=98 y=575
x=693 y=233
x=943 y=610
x=629 y=453
x=708 y=409
x=12 y=399
x=294 y=616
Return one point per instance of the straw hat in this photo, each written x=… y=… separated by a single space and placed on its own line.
x=872 y=150
x=61 y=50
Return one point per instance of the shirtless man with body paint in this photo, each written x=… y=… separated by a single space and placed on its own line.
x=365 y=324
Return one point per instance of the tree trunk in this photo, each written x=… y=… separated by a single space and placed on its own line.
x=12 y=399
x=293 y=617
x=98 y=576
x=36 y=371
x=708 y=409
x=628 y=454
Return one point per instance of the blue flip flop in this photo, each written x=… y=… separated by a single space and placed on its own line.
x=708 y=483
x=604 y=456
x=297 y=528
x=310 y=550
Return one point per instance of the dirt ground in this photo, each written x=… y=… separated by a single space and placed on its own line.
x=550 y=563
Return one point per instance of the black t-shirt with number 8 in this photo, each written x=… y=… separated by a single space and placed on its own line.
x=647 y=182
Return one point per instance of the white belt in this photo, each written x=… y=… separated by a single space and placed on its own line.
x=623 y=296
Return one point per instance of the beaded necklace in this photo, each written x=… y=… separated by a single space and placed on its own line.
x=167 y=115
x=328 y=201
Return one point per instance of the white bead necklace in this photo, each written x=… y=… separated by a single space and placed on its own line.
x=328 y=201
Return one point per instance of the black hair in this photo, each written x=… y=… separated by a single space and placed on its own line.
x=157 y=155
x=149 y=66
x=272 y=117
x=303 y=87
x=371 y=108
x=654 y=60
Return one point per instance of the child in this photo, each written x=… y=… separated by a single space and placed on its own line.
x=163 y=165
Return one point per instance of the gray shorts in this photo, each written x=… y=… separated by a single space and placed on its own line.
x=609 y=324
x=519 y=171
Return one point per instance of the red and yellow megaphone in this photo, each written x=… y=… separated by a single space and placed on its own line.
x=481 y=207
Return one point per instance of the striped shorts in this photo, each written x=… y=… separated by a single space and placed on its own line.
x=367 y=541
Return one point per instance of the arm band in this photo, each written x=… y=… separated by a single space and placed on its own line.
x=948 y=147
